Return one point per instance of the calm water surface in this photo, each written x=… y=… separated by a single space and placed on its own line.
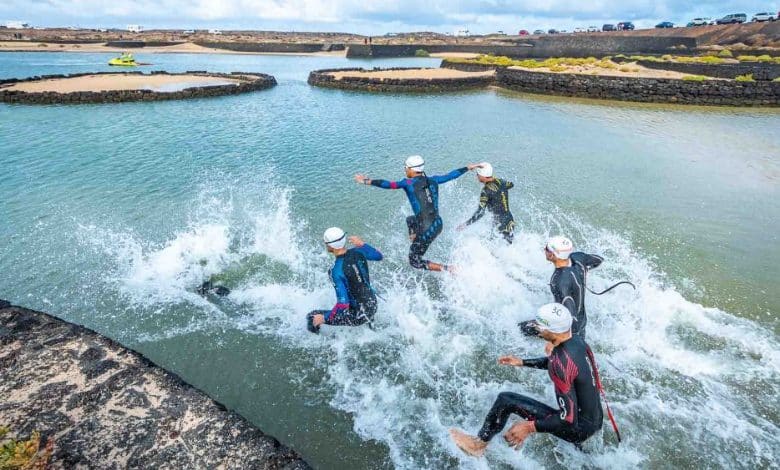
x=113 y=214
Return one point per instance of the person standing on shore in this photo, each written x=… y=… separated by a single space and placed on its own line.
x=423 y=194
x=567 y=283
x=494 y=198
x=573 y=372
x=356 y=302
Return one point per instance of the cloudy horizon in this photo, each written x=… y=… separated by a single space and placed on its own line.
x=367 y=16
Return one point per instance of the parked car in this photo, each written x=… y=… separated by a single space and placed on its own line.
x=764 y=16
x=665 y=24
x=552 y=31
x=563 y=31
x=608 y=27
x=523 y=32
x=579 y=30
x=539 y=31
x=734 y=18
x=625 y=26
x=700 y=22
x=593 y=29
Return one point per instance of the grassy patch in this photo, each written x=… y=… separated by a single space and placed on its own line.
x=695 y=78
x=725 y=53
x=776 y=80
x=745 y=78
x=764 y=58
x=422 y=53
x=24 y=454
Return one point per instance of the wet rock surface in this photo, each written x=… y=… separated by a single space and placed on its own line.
x=107 y=406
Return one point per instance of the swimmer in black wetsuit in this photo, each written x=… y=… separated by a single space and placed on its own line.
x=356 y=302
x=423 y=194
x=572 y=369
x=494 y=198
x=567 y=283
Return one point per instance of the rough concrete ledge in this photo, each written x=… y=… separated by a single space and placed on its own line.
x=108 y=407
x=250 y=82
x=322 y=78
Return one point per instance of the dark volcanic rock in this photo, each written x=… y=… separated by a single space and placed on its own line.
x=109 y=407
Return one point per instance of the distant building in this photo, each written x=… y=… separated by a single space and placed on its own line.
x=462 y=32
x=16 y=25
x=135 y=28
x=215 y=31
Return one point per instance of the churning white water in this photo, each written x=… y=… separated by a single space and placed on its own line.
x=689 y=385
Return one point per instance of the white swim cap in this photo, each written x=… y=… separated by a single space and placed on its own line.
x=415 y=162
x=486 y=170
x=554 y=318
x=335 y=238
x=561 y=247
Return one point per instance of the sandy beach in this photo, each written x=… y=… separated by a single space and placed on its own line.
x=119 y=81
x=184 y=48
x=431 y=74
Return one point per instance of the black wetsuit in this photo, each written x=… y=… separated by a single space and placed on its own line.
x=425 y=225
x=495 y=198
x=579 y=414
x=355 y=299
x=568 y=288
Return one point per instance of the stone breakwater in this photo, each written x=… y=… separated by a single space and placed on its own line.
x=247 y=82
x=759 y=71
x=107 y=406
x=647 y=90
x=324 y=78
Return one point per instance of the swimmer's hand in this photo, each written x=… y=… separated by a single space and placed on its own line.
x=356 y=241
x=362 y=179
x=510 y=361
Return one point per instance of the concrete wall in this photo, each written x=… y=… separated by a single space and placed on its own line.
x=553 y=46
x=265 y=47
x=252 y=82
x=712 y=92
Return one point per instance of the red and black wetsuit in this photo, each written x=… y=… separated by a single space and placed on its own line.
x=579 y=414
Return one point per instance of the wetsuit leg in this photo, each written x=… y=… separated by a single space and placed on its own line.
x=507 y=230
x=509 y=403
x=421 y=243
x=528 y=328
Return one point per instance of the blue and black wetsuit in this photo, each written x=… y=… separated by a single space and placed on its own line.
x=426 y=224
x=567 y=285
x=495 y=198
x=355 y=299
x=573 y=372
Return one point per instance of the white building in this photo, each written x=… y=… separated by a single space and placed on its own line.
x=215 y=31
x=135 y=28
x=462 y=32
x=16 y=25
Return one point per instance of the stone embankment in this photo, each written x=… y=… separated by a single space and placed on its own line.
x=648 y=90
x=241 y=82
x=759 y=71
x=427 y=80
x=106 y=406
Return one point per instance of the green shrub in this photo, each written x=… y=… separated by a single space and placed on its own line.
x=558 y=68
x=764 y=58
x=667 y=57
x=606 y=64
x=24 y=455
x=776 y=80
x=422 y=53
x=725 y=53
x=747 y=58
x=712 y=60
x=695 y=78
x=744 y=78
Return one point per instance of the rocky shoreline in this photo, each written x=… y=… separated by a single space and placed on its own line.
x=325 y=78
x=248 y=82
x=107 y=406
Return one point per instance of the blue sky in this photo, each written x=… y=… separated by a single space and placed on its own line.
x=369 y=16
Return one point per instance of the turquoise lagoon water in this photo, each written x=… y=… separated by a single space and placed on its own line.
x=113 y=214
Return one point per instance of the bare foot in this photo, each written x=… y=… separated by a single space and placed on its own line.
x=471 y=445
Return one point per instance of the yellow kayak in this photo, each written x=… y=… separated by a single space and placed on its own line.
x=125 y=60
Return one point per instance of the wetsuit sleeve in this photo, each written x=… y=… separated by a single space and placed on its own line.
x=509 y=184
x=589 y=261
x=342 y=297
x=483 y=200
x=568 y=292
x=564 y=379
x=384 y=184
x=537 y=362
x=450 y=176
x=371 y=253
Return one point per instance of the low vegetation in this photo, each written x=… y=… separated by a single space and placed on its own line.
x=776 y=80
x=725 y=53
x=745 y=78
x=695 y=78
x=422 y=53
x=24 y=454
x=766 y=59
